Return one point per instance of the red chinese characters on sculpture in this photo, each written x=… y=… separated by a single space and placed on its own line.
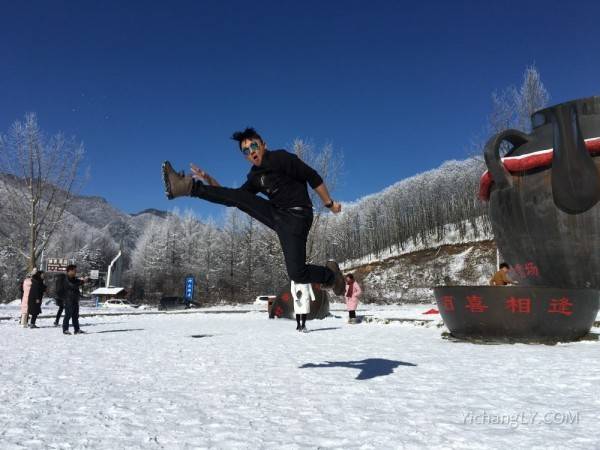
x=531 y=270
x=279 y=311
x=475 y=304
x=518 y=305
x=560 y=306
x=527 y=270
x=448 y=302
x=285 y=296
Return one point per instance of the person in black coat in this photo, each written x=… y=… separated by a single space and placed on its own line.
x=72 y=294
x=60 y=296
x=34 y=301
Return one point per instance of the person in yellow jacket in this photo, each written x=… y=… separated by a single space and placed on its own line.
x=501 y=277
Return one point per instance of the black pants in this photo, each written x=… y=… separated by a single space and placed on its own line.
x=301 y=320
x=291 y=226
x=61 y=307
x=71 y=313
x=33 y=318
x=352 y=314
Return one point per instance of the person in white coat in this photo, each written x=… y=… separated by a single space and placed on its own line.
x=303 y=294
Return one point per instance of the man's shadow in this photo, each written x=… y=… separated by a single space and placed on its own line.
x=125 y=330
x=369 y=368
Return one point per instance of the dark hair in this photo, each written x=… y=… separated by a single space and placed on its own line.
x=349 y=275
x=38 y=275
x=503 y=265
x=248 y=133
x=71 y=267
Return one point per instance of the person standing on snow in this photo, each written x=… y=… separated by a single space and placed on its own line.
x=303 y=294
x=282 y=177
x=25 y=298
x=72 y=294
x=60 y=296
x=34 y=298
x=353 y=291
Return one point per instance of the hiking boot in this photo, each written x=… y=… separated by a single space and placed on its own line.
x=66 y=332
x=304 y=330
x=79 y=332
x=33 y=325
x=177 y=184
x=55 y=324
x=339 y=283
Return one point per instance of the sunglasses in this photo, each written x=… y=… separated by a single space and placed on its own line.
x=251 y=148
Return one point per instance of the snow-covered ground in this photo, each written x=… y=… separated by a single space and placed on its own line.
x=242 y=381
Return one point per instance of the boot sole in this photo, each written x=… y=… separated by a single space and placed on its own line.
x=164 y=168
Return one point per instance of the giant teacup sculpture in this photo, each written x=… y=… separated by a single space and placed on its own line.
x=543 y=204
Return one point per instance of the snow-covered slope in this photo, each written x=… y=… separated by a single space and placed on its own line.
x=410 y=277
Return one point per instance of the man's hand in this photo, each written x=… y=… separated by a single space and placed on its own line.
x=200 y=174
x=197 y=172
x=336 y=208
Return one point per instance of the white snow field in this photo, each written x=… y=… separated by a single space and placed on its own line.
x=239 y=380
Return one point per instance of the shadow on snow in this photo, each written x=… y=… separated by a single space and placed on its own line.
x=369 y=368
x=118 y=331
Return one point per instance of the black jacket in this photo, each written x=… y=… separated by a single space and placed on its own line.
x=34 y=301
x=282 y=177
x=60 y=287
x=71 y=289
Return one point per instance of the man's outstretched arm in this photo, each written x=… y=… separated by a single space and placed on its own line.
x=323 y=193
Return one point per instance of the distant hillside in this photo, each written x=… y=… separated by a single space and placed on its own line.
x=91 y=231
x=152 y=211
x=410 y=277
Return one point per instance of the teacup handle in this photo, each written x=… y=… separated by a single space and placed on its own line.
x=492 y=155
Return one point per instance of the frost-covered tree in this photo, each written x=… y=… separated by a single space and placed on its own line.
x=417 y=210
x=149 y=258
x=328 y=163
x=512 y=107
x=531 y=96
x=49 y=169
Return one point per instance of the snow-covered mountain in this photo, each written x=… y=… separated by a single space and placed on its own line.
x=91 y=231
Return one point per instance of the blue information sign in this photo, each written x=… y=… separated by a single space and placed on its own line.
x=189 y=288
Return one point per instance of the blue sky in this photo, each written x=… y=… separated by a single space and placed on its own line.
x=398 y=87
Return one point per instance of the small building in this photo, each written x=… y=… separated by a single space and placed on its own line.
x=106 y=293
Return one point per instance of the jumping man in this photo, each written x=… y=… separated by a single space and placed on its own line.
x=282 y=177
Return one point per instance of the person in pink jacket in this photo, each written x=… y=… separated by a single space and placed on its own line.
x=353 y=291
x=25 y=302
